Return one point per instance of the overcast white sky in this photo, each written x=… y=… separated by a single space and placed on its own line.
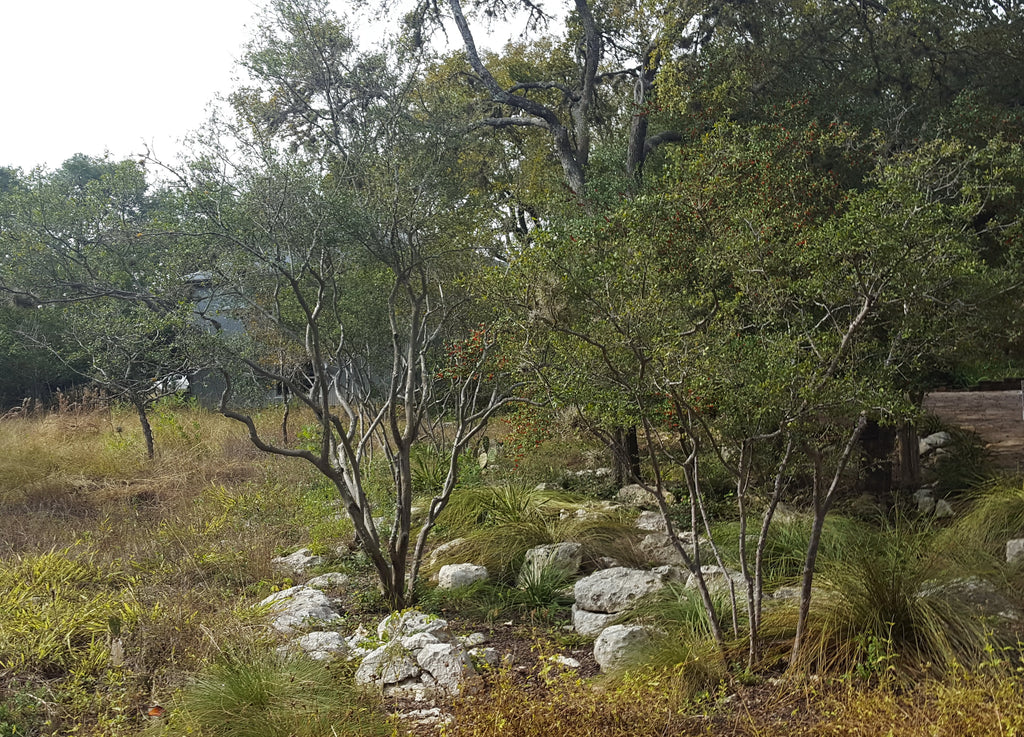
x=90 y=76
x=95 y=75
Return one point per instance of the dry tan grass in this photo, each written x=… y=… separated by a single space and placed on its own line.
x=190 y=535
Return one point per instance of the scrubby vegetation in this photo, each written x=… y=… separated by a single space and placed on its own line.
x=129 y=588
x=700 y=257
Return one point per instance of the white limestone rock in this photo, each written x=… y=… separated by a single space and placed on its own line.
x=565 y=661
x=299 y=607
x=474 y=639
x=636 y=495
x=460 y=575
x=404 y=624
x=416 y=642
x=1014 y=550
x=323 y=645
x=618 y=646
x=933 y=442
x=590 y=624
x=925 y=500
x=298 y=561
x=387 y=665
x=615 y=589
x=562 y=559
x=413 y=689
x=328 y=581
x=718 y=579
x=450 y=667
x=650 y=521
x=441 y=551
x=658 y=547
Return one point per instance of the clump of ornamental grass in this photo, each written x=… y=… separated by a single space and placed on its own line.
x=786 y=544
x=257 y=693
x=890 y=609
x=540 y=595
x=681 y=639
x=994 y=514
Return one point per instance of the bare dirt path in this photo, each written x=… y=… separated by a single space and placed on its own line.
x=996 y=416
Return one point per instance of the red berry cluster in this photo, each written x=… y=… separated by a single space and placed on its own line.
x=472 y=357
x=529 y=427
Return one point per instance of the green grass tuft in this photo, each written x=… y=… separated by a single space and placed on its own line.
x=263 y=694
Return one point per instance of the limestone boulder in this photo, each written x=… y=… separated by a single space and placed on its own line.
x=658 y=547
x=388 y=664
x=328 y=581
x=450 y=667
x=619 y=646
x=1015 y=550
x=403 y=624
x=419 y=660
x=636 y=495
x=473 y=639
x=460 y=575
x=560 y=559
x=615 y=589
x=651 y=521
x=323 y=645
x=924 y=499
x=299 y=607
x=590 y=624
x=443 y=550
x=718 y=580
x=933 y=442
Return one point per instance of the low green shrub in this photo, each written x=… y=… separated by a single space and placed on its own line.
x=59 y=614
x=962 y=465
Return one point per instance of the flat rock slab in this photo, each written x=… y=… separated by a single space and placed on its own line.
x=616 y=589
